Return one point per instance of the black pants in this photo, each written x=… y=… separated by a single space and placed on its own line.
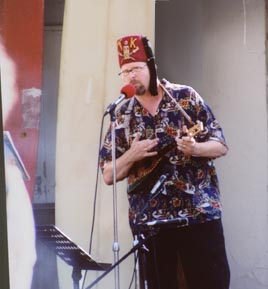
x=200 y=248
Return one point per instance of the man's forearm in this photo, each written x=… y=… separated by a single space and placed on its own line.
x=139 y=150
x=123 y=165
x=211 y=149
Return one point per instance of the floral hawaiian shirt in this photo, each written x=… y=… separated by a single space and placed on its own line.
x=190 y=193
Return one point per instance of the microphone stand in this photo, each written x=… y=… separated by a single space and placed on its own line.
x=139 y=241
x=116 y=247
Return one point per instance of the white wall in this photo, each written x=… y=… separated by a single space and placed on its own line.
x=218 y=47
x=238 y=74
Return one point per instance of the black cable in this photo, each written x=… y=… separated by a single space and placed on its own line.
x=134 y=271
x=96 y=189
x=95 y=198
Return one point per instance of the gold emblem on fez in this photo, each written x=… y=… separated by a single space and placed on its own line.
x=128 y=49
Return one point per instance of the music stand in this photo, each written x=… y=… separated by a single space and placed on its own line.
x=68 y=251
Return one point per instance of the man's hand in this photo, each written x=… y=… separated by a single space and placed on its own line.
x=186 y=143
x=138 y=150
x=141 y=149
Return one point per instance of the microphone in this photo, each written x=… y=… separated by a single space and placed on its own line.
x=168 y=171
x=159 y=183
x=126 y=92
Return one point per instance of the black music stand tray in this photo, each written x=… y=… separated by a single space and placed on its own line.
x=68 y=251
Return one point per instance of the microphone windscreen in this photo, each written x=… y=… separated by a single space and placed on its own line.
x=128 y=90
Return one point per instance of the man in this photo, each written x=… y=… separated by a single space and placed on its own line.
x=166 y=140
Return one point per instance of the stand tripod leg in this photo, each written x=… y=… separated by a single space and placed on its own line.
x=76 y=275
x=143 y=278
x=141 y=261
x=140 y=243
x=137 y=273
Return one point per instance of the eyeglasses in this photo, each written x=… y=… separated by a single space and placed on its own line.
x=136 y=69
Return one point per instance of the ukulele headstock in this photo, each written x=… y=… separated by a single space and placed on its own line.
x=196 y=129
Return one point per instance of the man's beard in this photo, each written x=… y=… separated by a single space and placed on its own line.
x=140 y=89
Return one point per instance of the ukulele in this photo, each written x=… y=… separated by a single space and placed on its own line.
x=145 y=178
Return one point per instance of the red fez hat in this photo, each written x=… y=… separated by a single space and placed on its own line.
x=131 y=49
x=136 y=48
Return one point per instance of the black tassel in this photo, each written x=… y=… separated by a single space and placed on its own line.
x=151 y=66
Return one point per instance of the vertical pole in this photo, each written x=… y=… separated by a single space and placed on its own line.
x=116 y=246
x=76 y=275
x=4 y=270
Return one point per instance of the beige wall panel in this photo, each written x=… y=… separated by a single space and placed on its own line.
x=234 y=81
x=88 y=83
